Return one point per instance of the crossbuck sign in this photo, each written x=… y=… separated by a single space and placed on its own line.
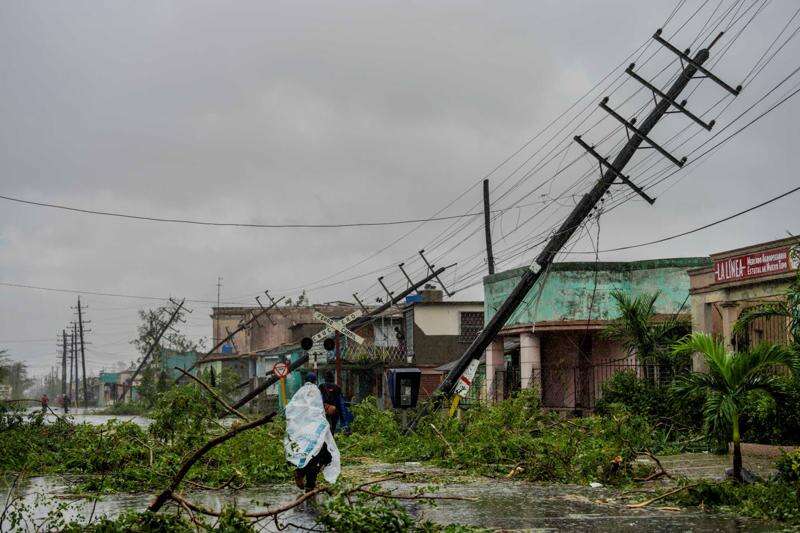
x=337 y=325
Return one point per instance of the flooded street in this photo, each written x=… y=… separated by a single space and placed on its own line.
x=89 y=415
x=500 y=504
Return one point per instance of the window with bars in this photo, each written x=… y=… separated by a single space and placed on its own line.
x=471 y=326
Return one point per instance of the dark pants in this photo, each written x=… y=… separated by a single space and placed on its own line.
x=312 y=468
x=332 y=421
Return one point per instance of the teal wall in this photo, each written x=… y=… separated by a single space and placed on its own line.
x=170 y=359
x=568 y=288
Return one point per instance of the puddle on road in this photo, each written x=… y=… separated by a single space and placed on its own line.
x=80 y=415
x=501 y=505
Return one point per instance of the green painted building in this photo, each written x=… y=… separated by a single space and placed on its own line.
x=553 y=340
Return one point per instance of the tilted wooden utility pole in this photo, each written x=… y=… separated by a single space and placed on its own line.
x=353 y=325
x=613 y=170
x=150 y=350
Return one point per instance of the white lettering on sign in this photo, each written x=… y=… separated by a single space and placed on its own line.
x=753 y=265
x=340 y=325
x=328 y=330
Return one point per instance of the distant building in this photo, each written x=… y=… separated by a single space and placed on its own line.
x=553 y=340
x=737 y=279
x=111 y=384
x=437 y=332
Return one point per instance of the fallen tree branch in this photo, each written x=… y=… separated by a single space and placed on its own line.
x=209 y=487
x=261 y=514
x=661 y=472
x=645 y=503
x=165 y=495
x=439 y=434
x=414 y=496
x=213 y=393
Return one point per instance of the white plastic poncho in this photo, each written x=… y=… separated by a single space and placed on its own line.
x=307 y=429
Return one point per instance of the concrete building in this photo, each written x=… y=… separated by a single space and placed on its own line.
x=281 y=325
x=437 y=332
x=553 y=340
x=737 y=279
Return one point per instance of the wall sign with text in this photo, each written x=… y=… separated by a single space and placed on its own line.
x=766 y=263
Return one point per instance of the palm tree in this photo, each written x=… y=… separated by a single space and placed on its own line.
x=641 y=332
x=730 y=377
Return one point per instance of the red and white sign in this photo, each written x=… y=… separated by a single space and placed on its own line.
x=281 y=370
x=766 y=263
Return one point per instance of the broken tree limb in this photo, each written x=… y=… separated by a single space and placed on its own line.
x=415 y=496
x=661 y=472
x=262 y=514
x=449 y=447
x=167 y=493
x=216 y=396
x=645 y=503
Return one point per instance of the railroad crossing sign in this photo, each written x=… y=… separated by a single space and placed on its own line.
x=337 y=325
x=281 y=370
x=320 y=344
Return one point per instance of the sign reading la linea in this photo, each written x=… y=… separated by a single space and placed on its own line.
x=765 y=263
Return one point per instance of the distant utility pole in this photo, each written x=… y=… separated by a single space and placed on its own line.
x=64 y=369
x=83 y=353
x=219 y=292
x=75 y=361
x=609 y=173
x=487 y=227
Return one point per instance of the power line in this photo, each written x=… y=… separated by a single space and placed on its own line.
x=700 y=228
x=240 y=224
x=99 y=293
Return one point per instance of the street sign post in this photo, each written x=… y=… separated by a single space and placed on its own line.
x=463 y=385
x=281 y=370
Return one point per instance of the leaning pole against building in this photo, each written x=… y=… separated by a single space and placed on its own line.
x=354 y=324
x=613 y=170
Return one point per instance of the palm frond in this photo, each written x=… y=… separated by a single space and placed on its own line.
x=749 y=315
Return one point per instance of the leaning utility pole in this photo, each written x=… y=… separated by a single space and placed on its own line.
x=152 y=347
x=83 y=354
x=352 y=325
x=64 y=369
x=487 y=227
x=613 y=170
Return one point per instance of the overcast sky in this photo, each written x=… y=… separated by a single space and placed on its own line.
x=341 y=112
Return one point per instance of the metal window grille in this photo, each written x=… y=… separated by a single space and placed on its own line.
x=471 y=326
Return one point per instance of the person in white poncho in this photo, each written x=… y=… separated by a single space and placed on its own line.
x=309 y=443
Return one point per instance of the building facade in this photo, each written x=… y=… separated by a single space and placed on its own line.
x=436 y=332
x=554 y=340
x=737 y=279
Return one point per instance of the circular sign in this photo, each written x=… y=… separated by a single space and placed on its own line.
x=307 y=343
x=281 y=370
x=329 y=344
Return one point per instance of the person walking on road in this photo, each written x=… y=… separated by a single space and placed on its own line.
x=309 y=443
x=331 y=400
